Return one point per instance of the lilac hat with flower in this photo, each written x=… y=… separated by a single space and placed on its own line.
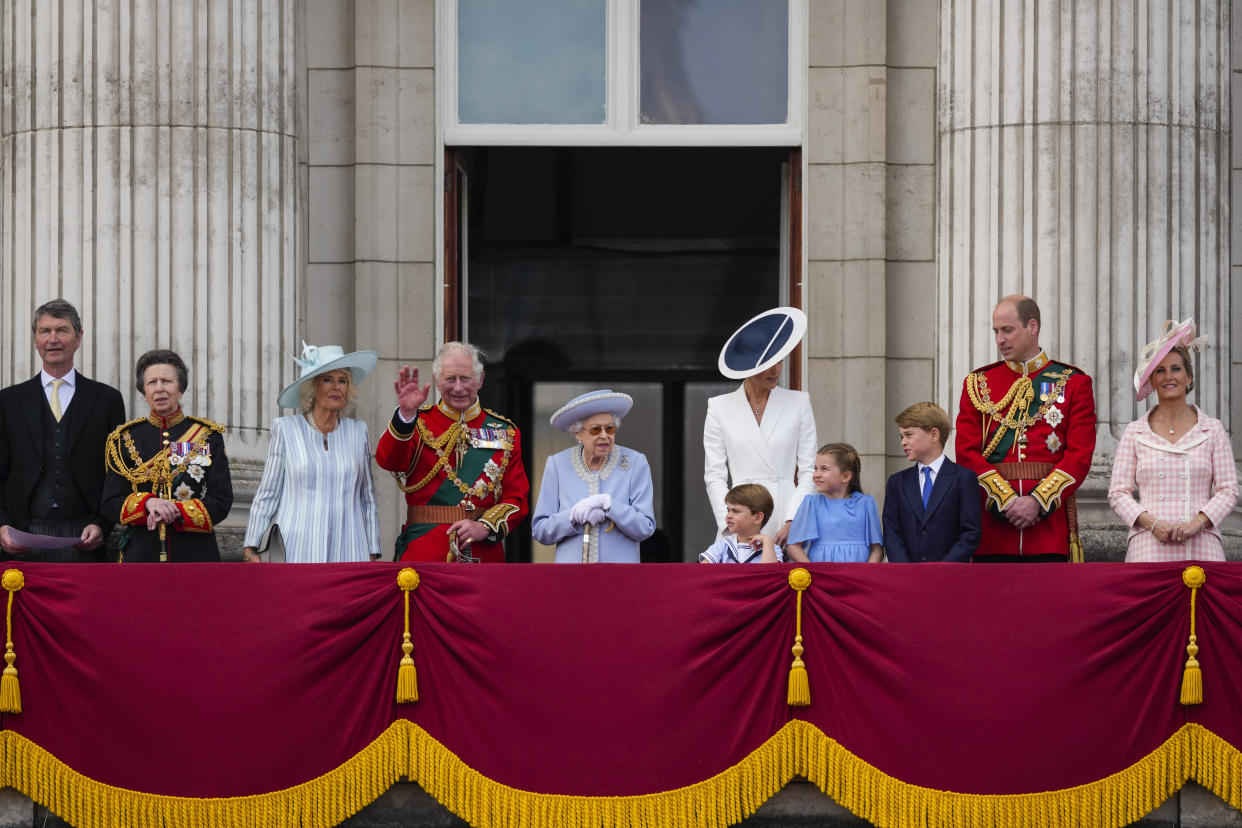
x=1171 y=335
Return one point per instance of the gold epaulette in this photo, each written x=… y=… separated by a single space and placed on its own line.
x=116 y=432
x=502 y=417
x=1049 y=490
x=212 y=424
x=1074 y=368
x=997 y=488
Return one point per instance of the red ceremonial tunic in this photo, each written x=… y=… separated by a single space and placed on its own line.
x=443 y=458
x=1036 y=441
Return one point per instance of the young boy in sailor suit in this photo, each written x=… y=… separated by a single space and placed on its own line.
x=747 y=509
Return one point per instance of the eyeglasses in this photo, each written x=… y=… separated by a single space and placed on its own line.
x=596 y=429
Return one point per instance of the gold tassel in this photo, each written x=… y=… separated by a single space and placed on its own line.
x=1192 y=676
x=407 y=676
x=799 y=685
x=10 y=690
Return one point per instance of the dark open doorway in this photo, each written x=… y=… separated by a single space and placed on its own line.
x=617 y=267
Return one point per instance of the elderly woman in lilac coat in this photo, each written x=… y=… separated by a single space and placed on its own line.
x=595 y=500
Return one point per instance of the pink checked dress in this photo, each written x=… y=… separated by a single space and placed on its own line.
x=1175 y=481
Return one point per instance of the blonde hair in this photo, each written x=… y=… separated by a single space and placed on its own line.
x=847 y=460
x=926 y=415
x=1184 y=352
x=306 y=391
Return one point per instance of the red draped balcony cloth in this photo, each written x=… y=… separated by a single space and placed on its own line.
x=208 y=694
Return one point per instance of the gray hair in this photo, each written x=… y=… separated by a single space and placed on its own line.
x=577 y=426
x=462 y=348
x=57 y=309
x=306 y=391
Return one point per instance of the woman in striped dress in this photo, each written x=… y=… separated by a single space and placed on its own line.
x=317 y=486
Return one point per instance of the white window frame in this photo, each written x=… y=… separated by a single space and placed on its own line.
x=622 y=88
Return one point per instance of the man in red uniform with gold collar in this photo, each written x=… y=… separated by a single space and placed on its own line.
x=459 y=465
x=1026 y=428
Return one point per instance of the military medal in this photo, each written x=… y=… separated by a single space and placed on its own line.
x=1053 y=442
x=1054 y=416
x=178 y=452
x=489 y=438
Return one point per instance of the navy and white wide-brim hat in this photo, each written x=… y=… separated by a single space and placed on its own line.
x=762 y=342
x=316 y=360
x=604 y=401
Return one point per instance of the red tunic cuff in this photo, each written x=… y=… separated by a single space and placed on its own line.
x=194 y=517
x=134 y=509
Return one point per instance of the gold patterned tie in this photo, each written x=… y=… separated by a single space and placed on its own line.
x=55 y=400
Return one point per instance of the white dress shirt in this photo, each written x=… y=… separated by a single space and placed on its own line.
x=66 y=388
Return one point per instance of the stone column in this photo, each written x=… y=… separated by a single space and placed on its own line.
x=1084 y=160
x=149 y=176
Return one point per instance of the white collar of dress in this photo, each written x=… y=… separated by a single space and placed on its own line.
x=579 y=460
x=1031 y=365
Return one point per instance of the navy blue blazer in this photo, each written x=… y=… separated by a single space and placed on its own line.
x=948 y=530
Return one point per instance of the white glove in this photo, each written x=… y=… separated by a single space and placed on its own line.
x=605 y=501
x=596 y=516
x=578 y=514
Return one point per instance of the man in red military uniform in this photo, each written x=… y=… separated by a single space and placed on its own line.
x=459 y=465
x=1026 y=428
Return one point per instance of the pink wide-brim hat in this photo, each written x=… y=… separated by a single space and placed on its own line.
x=1171 y=335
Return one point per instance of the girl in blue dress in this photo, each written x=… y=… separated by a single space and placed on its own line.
x=839 y=523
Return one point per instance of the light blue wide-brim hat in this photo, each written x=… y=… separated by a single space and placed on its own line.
x=603 y=401
x=316 y=360
x=762 y=342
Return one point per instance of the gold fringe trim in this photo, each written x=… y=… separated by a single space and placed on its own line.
x=797 y=749
x=324 y=801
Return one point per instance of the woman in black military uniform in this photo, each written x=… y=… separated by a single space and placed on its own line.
x=168 y=480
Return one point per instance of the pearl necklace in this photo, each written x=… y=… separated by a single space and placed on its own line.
x=1173 y=425
x=315 y=426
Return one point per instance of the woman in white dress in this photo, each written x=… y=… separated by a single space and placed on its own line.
x=317 y=485
x=761 y=433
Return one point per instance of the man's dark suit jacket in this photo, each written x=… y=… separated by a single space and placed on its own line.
x=95 y=411
x=948 y=530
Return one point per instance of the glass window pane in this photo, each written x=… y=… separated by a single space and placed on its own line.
x=714 y=61
x=531 y=61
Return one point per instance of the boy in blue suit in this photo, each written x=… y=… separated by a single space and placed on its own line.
x=931 y=510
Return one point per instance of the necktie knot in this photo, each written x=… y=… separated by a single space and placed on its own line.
x=55 y=400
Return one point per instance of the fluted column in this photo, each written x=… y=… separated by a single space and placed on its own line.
x=1084 y=160
x=149 y=176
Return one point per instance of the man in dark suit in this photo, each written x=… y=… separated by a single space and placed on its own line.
x=931 y=510
x=53 y=428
